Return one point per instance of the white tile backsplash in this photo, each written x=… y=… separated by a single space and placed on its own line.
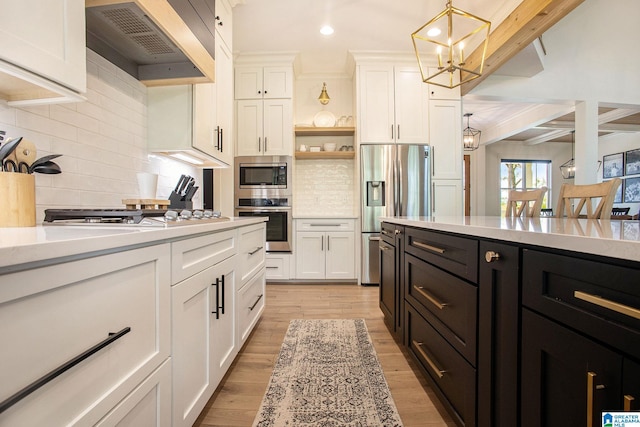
x=324 y=188
x=102 y=141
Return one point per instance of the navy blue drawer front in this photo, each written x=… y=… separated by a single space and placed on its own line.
x=457 y=255
x=447 y=302
x=599 y=299
x=454 y=377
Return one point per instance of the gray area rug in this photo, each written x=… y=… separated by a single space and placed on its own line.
x=327 y=374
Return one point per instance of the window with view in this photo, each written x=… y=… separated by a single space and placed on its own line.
x=524 y=175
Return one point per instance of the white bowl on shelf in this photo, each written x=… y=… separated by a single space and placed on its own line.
x=314 y=149
x=329 y=146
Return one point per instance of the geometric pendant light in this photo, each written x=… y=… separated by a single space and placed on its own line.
x=470 y=136
x=568 y=168
x=445 y=37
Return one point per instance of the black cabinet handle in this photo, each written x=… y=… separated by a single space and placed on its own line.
x=12 y=400
x=222 y=286
x=219 y=284
x=256 y=303
x=256 y=250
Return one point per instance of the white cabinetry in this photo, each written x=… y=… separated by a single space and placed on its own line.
x=325 y=249
x=264 y=127
x=251 y=271
x=263 y=82
x=278 y=266
x=50 y=315
x=42 y=51
x=204 y=340
x=224 y=25
x=392 y=105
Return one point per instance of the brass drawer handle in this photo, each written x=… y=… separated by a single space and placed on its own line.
x=430 y=297
x=428 y=247
x=591 y=389
x=605 y=303
x=628 y=400
x=439 y=372
x=384 y=248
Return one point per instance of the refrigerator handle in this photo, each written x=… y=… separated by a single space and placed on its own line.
x=396 y=187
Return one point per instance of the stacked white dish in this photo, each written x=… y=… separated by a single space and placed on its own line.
x=329 y=146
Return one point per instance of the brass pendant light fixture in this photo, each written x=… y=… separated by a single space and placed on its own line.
x=470 y=136
x=568 y=168
x=439 y=37
x=324 y=96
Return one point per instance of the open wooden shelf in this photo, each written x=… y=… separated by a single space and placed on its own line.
x=324 y=131
x=308 y=155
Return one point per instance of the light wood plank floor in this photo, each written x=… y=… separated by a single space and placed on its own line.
x=238 y=398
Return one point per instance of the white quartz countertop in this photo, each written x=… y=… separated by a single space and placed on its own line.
x=610 y=238
x=19 y=245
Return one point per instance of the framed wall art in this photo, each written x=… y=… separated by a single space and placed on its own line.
x=619 y=193
x=632 y=162
x=632 y=190
x=613 y=166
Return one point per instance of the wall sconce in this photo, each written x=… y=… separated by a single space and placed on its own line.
x=324 y=96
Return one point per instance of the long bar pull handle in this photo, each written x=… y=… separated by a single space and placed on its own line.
x=398 y=132
x=322 y=243
x=256 y=250
x=439 y=372
x=374 y=239
x=256 y=303
x=221 y=136
x=628 y=401
x=391 y=131
x=428 y=247
x=590 y=392
x=328 y=243
x=608 y=304
x=265 y=142
x=12 y=400
x=430 y=297
x=259 y=141
x=386 y=233
x=324 y=225
x=221 y=307
x=217 y=310
x=384 y=248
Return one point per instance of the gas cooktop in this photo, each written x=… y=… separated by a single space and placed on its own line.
x=130 y=217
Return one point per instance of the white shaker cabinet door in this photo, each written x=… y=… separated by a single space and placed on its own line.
x=376 y=106
x=310 y=258
x=340 y=255
x=278 y=129
x=249 y=139
x=411 y=106
x=447 y=197
x=445 y=127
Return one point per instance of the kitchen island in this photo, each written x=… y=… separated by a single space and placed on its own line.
x=108 y=324
x=518 y=321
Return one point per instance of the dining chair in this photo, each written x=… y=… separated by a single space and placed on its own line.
x=619 y=211
x=546 y=212
x=525 y=203
x=574 y=198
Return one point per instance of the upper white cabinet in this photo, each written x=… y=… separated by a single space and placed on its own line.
x=264 y=127
x=42 y=51
x=263 y=82
x=445 y=129
x=224 y=23
x=392 y=105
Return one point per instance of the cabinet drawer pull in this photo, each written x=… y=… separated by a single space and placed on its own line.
x=590 y=390
x=628 y=401
x=324 y=225
x=270 y=267
x=428 y=247
x=219 y=290
x=439 y=372
x=12 y=400
x=374 y=239
x=256 y=303
x=384 y=248
x=605 y=303
x=256 y=250
x=386 y=233
x=430 y=297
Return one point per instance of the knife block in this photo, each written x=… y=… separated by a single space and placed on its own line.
x=18 y=199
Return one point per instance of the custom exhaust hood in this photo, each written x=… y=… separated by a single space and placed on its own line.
x=159 y=42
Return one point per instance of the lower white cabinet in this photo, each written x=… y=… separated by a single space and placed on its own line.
x=52 y=314
x=201 y=345
x=250 y=299
x=250 y=305
x=325 y=249
x=278 y=266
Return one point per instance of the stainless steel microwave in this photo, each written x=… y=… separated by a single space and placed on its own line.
x=263 y=172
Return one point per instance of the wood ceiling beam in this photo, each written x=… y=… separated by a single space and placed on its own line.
x=526 y=23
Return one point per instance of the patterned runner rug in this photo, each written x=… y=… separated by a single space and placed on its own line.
x=327 y=374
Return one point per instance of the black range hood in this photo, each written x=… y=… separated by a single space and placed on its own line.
x=158 y=42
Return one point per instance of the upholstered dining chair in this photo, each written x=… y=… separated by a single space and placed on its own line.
x=574 y=198
x=525 y=203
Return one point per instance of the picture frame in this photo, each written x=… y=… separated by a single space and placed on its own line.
x=632 y=162
x=613 y=165
x=632 y=190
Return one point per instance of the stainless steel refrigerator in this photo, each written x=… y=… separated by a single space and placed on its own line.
x=396 y=181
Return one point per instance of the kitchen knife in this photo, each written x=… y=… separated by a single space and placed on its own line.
x=189 y=187
x=178 y=184
x=189 y=195
x=185 y=181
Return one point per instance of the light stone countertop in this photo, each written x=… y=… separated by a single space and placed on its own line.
x=610 y=238
x=20 y=245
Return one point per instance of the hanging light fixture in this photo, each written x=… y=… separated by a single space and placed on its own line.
x=439 y=37
x=470 y=136
x=324 y=96
x=568 y=169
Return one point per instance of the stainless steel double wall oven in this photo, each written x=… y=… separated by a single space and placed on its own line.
x=263 y=188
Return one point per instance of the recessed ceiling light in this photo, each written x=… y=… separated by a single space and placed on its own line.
x=434 y=32
x=327 y=30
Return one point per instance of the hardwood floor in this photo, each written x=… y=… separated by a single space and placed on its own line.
x=238 y=398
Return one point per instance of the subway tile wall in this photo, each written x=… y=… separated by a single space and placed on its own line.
x=102 y=141
x=324 y=188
